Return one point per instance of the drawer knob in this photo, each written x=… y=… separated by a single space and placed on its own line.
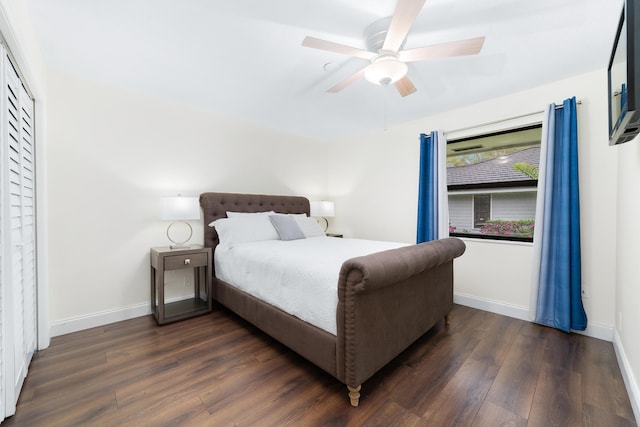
x=187 y=261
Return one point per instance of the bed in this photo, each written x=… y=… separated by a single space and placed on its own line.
x=386 y=300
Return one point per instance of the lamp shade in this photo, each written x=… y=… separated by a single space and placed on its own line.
x=180 y=208
x=323 y=208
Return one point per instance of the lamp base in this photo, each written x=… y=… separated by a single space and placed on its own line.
x=180 y=247
x=182 y=244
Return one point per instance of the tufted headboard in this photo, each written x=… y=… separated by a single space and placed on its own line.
x=216 y=205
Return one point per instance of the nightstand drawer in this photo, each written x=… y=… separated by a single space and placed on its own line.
x=182 y=261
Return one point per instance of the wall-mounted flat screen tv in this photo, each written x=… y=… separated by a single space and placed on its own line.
x=624 y=77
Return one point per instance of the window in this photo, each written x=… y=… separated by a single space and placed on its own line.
x=492 y=181
x=481 y=209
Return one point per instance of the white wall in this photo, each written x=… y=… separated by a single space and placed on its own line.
x=112 y=155
x=628 y=278
x=374 y=182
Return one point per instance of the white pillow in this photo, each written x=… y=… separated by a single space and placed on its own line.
x=287 y=227
x=236 y=214
x=309 y=226
x=243 y=229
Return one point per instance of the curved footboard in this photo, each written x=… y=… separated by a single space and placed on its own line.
x=389 y=299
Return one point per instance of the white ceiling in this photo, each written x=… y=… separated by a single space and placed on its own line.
x=244 y=59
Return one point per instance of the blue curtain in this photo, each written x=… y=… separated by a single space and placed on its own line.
x=559 y=299
x=432 y=209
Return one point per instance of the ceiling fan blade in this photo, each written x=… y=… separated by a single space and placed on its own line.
x=346 y=82
x=405 y=86
x=403 y=18
x=337 y=48
x=443 y=50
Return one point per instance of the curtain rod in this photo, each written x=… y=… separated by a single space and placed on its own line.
x=578 y=102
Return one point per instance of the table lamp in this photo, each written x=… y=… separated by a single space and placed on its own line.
x=323 y=209
x=180 y=209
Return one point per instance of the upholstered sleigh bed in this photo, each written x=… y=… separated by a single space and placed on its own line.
x=386 y=300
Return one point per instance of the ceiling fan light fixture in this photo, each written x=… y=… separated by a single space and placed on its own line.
x=385 y=69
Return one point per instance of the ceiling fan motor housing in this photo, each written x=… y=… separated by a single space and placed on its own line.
x=375 y=34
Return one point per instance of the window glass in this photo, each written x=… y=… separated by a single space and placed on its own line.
x=481 y=209
x=492 y=181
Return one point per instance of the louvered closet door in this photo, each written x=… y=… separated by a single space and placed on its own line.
x=18 y=237
x=6 y=332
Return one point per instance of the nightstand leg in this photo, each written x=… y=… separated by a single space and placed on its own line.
x=196 y=282
x=154 y=305
x=160 y=291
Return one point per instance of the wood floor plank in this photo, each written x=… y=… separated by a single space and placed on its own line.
x=189 y=374
x=218 y=370
x=290 y=400
x=558 y=398
x=323 y=405
x=249 y=385
x=419 y=390
x=104 y=377
x=515 y=384
x=460 y=400
x=603 y=386
x=390 y=414
x=491 y=415
x=496 y=343
x=82 y=411
x=596 y=417
x=184 y=411
x=563 y=350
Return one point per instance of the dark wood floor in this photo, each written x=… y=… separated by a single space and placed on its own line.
x=482 y=370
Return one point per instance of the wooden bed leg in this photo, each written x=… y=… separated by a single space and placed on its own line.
x=354 y=395
x=447 y=319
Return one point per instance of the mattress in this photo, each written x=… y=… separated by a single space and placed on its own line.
x=299 y=277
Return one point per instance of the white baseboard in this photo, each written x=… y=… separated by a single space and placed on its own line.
x=627 y=375
x=498 y=307
x=93 y=320
x=101 y=318
x=593 y=330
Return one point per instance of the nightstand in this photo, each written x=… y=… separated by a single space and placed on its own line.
x=165 y=259
x=334 y=235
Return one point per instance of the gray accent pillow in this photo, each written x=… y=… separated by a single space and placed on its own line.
x=287 y=227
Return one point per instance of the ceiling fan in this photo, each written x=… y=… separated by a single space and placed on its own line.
x=385 y=39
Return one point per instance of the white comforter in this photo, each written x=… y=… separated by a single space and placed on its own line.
x=299 y=277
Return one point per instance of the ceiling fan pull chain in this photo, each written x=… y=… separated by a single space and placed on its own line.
x=386 y=102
